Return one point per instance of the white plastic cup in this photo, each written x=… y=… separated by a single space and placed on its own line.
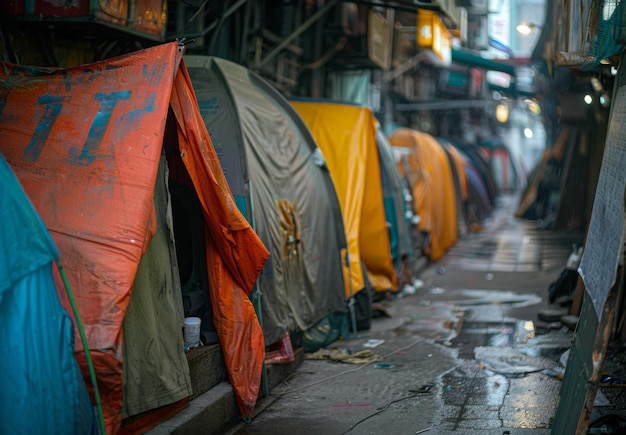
x=191 y=332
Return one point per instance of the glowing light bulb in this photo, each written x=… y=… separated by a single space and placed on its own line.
x=528 y=133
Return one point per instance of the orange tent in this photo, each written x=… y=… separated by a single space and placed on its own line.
x=426 y=166
x=86 y=143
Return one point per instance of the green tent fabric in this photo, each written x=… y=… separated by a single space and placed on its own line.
x=155 y=373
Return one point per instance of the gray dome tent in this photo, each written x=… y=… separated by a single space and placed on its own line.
x=279 y=182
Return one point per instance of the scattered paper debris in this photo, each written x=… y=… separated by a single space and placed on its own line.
x=373 y=343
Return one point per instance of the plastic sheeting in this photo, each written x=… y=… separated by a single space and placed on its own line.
x=478 y=161
x=476 y=203
x=457 y=158
x=268 y=156
x=42 y=387
x=479 y=206
x=346 y=134
x=428 y=170
x=400 y=230
x=156 y=372
x=85 y=142
x=460 y=185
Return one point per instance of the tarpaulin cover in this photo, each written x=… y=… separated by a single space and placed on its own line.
x=269 y=159
x=156 y=371
x=346 y=134
x=460 y=185
x=458 y=163
x=400 y=231
x=478 y=203
x=428 y=170
x=42 y=389
x=478 y=161
x=86 y=142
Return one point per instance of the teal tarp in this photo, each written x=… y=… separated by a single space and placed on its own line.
x=399 y=228
x=41 y=386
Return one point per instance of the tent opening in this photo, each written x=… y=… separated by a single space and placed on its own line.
x=190 y=237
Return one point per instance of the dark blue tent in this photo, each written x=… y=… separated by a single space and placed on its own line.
x=41 y=386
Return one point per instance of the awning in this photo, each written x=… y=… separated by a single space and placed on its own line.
x=467 y=58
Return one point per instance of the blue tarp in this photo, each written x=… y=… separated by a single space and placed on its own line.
x=41 y=386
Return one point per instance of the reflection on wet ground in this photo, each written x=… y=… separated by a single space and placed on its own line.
x=496 y=297
x=507 y=377
x=477 y=399
x=518 y=247
x=477 y=334
x=503 y=381
x=510 y=362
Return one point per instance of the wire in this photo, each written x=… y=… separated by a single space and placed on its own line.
x=83 y=338
x=197 y=12
x=321 y=381
x=414 y=393
x=383 y=409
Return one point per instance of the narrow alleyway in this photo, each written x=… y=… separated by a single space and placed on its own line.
x=466 y=353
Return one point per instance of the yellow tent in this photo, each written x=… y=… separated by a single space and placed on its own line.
x=346 y=135
x=427 y=168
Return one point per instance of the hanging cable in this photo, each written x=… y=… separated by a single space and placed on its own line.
x=384 y=408
x=200 y=8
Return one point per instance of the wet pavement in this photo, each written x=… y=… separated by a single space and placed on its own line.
x=465 y=353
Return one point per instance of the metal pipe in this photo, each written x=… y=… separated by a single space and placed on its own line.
x=410 y=63
x=214 y=24
x=316 y=16
x=432 y=6
x=442 y=105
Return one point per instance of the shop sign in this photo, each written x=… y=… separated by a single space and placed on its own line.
x=433 y=35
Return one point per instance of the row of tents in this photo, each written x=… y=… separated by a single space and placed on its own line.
x=187 y=186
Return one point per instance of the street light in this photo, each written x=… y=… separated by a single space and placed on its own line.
x=526 y=28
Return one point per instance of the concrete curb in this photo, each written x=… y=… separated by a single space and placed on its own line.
x=210 y=413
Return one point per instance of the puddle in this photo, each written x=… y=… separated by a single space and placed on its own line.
x=510 y=348
x=510 y=362
x=492 y=334
x=496 y=297
x=552 y=345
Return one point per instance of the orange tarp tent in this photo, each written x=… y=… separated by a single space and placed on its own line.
x=427 y=168
x=85 y=143
x=346 y=134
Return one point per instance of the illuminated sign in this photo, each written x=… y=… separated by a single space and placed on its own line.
x=433 y=35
